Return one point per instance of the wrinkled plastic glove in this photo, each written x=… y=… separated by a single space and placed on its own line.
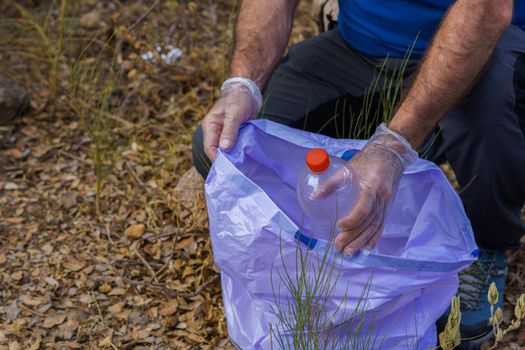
x=378 y=169
x=240 y=100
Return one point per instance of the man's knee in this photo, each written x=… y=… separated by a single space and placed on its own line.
x=200 y=160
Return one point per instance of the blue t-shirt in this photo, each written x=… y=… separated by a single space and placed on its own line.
x=378 y=28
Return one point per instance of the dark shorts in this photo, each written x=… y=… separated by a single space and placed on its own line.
x=325 y=86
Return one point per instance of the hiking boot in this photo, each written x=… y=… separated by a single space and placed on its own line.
x=474 y=284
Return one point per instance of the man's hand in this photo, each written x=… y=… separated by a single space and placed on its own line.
x=455 y=59
x=259 y=44
x=221 y=126
x=377 y=169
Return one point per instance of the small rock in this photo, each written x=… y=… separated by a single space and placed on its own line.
x=10 y=186
x=14 y=100
x=135 y=231
x=188 y=187
x=181 y=325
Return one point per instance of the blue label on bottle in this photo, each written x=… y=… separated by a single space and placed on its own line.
x=307 y=241
x=347 y=155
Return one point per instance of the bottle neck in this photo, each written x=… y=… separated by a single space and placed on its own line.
x=321 y=172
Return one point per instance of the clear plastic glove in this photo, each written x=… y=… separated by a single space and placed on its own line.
x=240 y=101
x=378 y=169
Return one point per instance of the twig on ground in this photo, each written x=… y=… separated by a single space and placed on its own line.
x=134 y=262
x=148 y=266
x=34 y=312
x=173 y=28
x=145 y=15
x=135 y=176
x=171 y=293
x=134 y=342
x=198 y=290
x=159 y=236
x=69 y=155
x=163 y=129
x=109 y=235
x=172 y=252
x=124 y=103
x=102 y=321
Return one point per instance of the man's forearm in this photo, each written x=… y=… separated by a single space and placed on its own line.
x=261 y=34
x=460 y=50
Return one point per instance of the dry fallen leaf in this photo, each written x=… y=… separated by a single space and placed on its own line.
x=28 y=300
x=104 y=288
x=189 y=245
x=73 y=264
x=105 y=342
x=12 y=311
x=15 y=153
x=188 y=270
x=17 y=276
x=116 y=308
x=69 y=328
x=69 y=200
x=195 y=338
x=14 y=220
x=86 y=299
x=35 y=344
x=135 y=231
x=14 y=345
x=73 y=345
x=51 y=281
x=170 y=308
x=53 y=320
x=117 y=291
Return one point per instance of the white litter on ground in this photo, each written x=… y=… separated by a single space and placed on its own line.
x=169 y=54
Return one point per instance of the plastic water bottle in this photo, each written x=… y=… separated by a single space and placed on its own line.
x=326 y=190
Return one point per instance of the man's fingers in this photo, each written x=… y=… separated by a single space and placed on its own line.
x=359 y=213
x=375 y=237
x=211 y=130
x=347 y=235
x=330 y=185
x=359 y=242
x=236 y=113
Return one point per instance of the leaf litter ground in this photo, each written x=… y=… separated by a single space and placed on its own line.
x=139 y=273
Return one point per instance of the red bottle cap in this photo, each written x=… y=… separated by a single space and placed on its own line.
x=317 y=160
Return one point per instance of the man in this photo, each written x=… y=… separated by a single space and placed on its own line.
x=470 y=82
